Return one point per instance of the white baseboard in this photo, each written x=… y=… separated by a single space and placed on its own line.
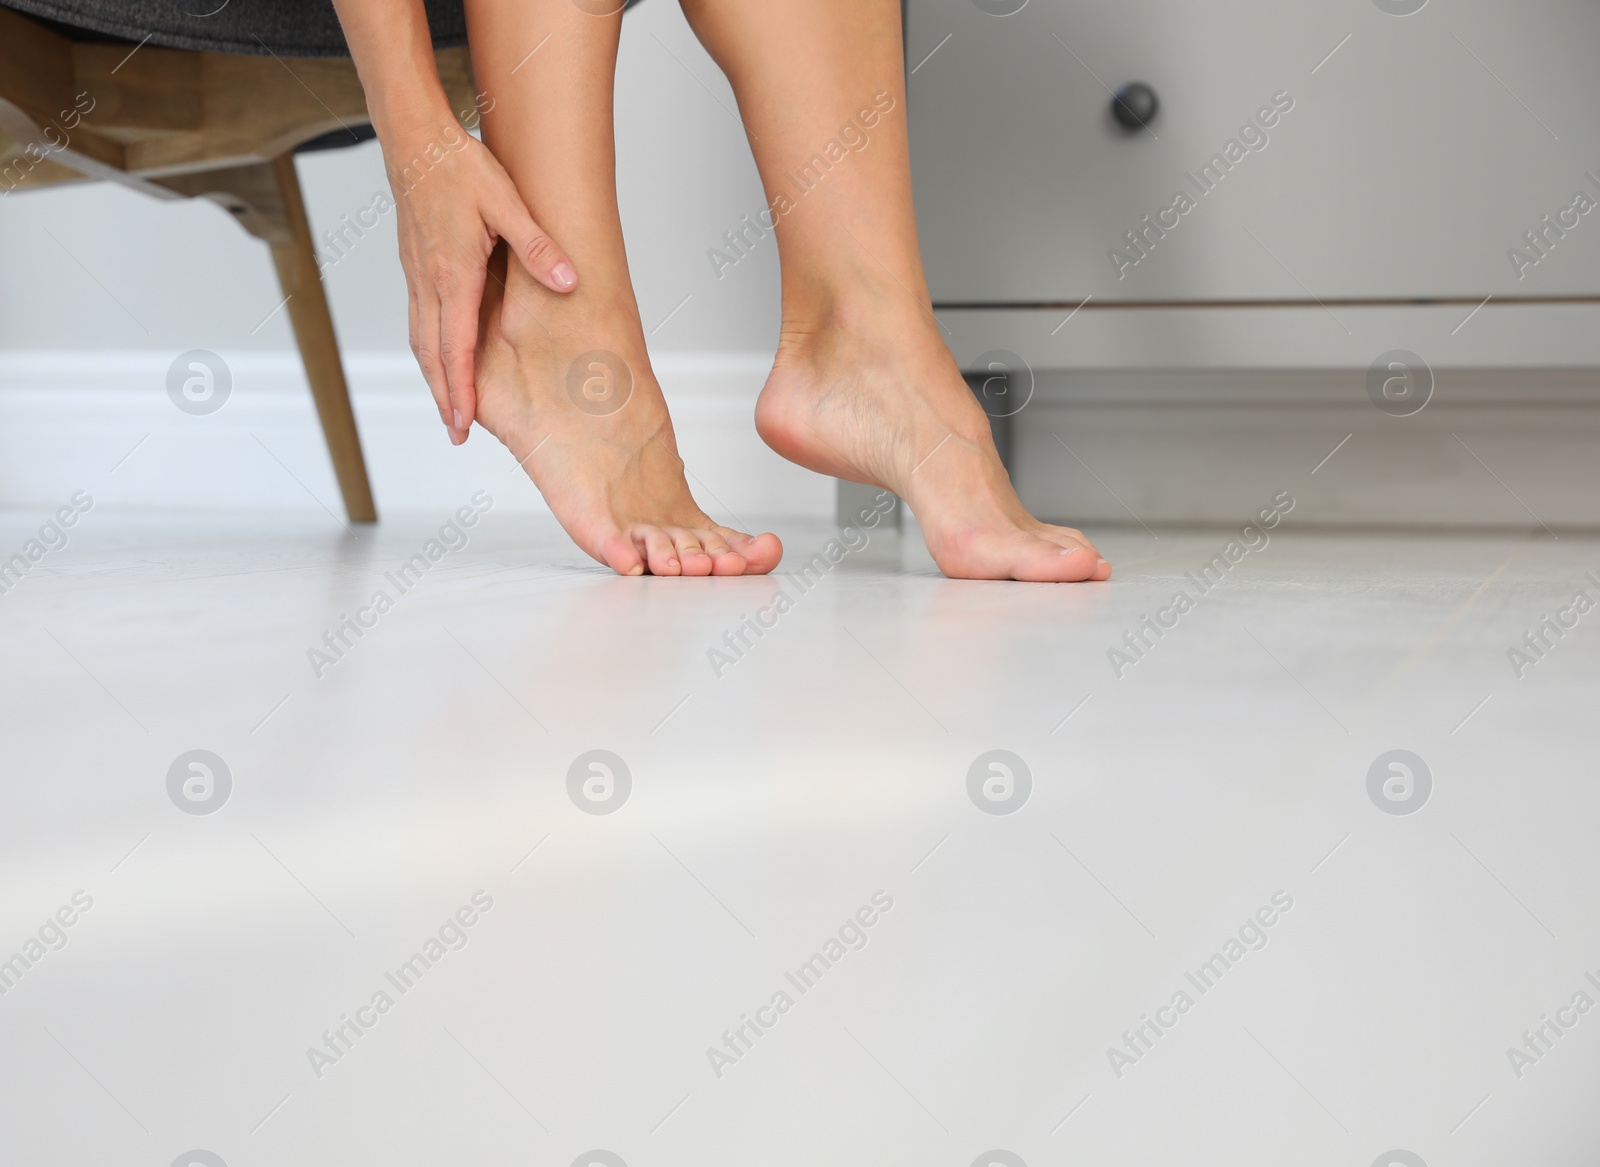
x=68 y=418
x=1516 y=448
x=1494 y=447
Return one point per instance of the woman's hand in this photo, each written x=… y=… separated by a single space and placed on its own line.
x=454 y=202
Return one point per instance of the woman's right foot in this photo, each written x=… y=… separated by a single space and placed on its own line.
x=873 y=395
x=579 y=408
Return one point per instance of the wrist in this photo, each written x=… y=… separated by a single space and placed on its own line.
x=412 y=118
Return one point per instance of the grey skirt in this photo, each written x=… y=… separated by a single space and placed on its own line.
x=289 y=28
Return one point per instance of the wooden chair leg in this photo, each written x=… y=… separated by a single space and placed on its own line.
x=264 y=198
x=296 y=261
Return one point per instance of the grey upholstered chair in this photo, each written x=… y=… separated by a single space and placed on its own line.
x=178 y=105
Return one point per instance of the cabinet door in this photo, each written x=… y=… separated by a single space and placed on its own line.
x=1414 y=154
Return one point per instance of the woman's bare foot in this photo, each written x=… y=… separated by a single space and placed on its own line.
x=571 y=394
x=873 y=395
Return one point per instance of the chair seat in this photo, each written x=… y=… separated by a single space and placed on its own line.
x=289 y=28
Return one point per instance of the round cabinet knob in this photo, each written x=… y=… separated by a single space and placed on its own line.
x=1135 y=105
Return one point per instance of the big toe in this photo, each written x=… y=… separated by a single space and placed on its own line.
x=1042 y=561
x=1021 y=556
x=1071 y=539
x=761 y=553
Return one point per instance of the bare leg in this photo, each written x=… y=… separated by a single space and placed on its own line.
x=864 y=387
x=564 y=381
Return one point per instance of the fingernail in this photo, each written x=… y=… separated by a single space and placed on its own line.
x=459 y=426
x=566 y=279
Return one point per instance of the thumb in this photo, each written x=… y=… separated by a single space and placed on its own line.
x=535 y=250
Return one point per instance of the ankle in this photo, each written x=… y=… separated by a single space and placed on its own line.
x=885 y=322
x=531 y=318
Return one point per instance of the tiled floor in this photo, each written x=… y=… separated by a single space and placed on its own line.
x=800 y=911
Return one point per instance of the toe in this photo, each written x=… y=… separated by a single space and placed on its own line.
x=690 y=553
x=724 y=560
x=1068 y=537
x=1072 y=565
x=761 y=552
x=1019 y=555
x=1073 y=539
x=1043 y=561
x=659 y=550
x=621 y=556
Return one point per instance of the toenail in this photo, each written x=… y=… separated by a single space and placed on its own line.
x=1101 y=563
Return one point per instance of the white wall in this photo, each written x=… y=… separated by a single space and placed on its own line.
x=188 y=275
x=102 y=287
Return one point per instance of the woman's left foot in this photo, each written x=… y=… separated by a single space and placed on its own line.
x=873 y=395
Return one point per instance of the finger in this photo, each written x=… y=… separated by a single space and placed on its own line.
x=536 y=251
x=411 y=339
x=439 y=282
x=458 y=340
x=421 y=310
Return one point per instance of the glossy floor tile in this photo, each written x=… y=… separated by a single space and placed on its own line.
x=436 y=843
